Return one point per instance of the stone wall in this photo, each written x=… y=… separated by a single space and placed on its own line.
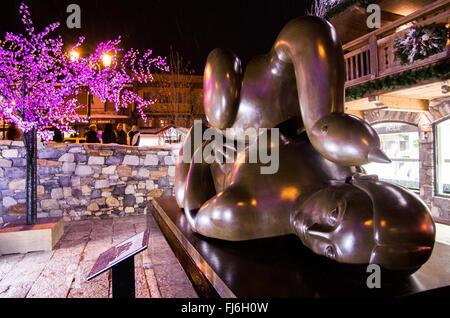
x=439 y=205
x=85 y=181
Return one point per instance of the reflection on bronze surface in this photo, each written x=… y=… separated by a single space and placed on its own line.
x=318 y=192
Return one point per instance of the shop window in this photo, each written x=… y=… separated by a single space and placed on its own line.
x=401 y=143
x=442 y=151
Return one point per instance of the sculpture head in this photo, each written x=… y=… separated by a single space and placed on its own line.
x=347 y=140
x=342 y=223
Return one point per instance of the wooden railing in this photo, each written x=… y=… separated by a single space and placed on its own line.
x=373 y=55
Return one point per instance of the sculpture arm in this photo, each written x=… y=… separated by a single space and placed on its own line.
x=311 y=44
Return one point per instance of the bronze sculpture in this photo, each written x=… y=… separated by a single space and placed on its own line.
x=319 y=192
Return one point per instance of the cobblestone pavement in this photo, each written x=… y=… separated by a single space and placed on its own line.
x=62 y=272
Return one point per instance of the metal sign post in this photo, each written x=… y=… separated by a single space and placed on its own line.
x=120 y=259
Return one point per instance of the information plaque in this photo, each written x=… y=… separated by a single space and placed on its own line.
x=120 y=259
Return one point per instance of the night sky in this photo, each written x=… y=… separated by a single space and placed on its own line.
x=193 y=28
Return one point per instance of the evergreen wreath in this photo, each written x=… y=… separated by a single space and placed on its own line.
x=421 y=43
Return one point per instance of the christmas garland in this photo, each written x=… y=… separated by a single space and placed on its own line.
x=421 y=43
x=404 y=79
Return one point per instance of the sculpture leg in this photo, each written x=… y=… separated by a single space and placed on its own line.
x=234 y=215
x=199 y=188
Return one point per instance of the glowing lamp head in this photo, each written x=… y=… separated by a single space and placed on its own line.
x=107 y=60
x=74 y=56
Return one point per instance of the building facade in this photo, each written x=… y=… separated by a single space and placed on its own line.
x=397 y=79
x=179 y=101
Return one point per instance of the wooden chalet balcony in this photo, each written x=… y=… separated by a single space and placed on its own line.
x=372 y=56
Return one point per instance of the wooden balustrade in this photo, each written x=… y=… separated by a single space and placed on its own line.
x=373 y=55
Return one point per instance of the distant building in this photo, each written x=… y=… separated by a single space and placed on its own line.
x=179 y=102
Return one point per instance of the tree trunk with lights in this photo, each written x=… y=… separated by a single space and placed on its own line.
x=30 y=141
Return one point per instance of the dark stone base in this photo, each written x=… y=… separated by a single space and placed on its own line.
x=283 y=268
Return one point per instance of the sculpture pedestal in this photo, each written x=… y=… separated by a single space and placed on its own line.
x=19 y=238
x=283 y=268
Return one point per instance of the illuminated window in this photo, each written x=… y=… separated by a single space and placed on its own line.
x=442 y=135
x=401 y=143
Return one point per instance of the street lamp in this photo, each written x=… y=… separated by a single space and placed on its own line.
x=74 y=56
x=107 y=60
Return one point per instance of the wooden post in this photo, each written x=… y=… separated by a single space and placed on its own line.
x=374 y=63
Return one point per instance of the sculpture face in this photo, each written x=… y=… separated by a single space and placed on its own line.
x=359 y=225
x=337 y=222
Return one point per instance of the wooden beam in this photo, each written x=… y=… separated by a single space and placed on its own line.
x=401 y=103
x=362 y=105
x=388 y=102
x=390 y=16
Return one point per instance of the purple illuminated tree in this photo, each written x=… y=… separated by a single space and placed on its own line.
x=39 y=83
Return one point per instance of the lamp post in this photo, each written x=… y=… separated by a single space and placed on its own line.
x=74 y=56
x=107 y=61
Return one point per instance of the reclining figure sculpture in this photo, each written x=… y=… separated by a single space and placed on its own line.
x=319 y=192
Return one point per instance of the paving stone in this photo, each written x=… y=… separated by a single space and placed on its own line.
x=56 y=279
x=142 y=288
x=170 y=275
x=162 y=257
x=8 y=262
x=178 y=291
x=17 y=283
